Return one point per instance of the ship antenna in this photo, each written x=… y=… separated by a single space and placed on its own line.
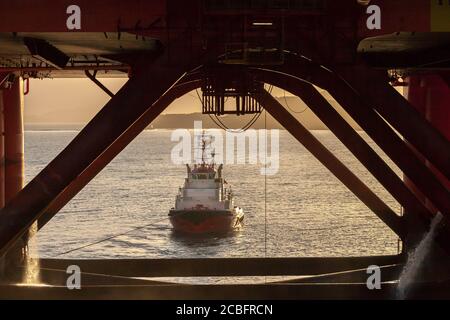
x=213 y=154
x=203 y=147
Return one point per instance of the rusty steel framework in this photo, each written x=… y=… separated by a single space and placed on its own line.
x=230 y=49
x=238 y=85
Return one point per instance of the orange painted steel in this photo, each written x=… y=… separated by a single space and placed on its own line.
x=429 y=94
x=13 y=139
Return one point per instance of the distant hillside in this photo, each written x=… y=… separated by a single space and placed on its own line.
x=72 y=118
x=297 y=108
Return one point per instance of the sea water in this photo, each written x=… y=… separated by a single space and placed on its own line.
x=301 y=211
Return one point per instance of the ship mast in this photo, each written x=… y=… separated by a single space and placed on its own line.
x=203 y=148
x=204 y=143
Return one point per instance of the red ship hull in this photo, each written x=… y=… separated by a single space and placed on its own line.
x=200 y=222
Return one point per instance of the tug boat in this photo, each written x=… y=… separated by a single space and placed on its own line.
x=205 y=204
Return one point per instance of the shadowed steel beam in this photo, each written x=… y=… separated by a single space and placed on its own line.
x=348 y=136
x=374 y=125
x=132 y=100
x=114 y=149
x=340 y=171
x=389 y=272
x=198 y=267
x=98 y=83
x=58 y=277
x=258 y=291
x=45 y=52
x=106 y=67
x=409 y=122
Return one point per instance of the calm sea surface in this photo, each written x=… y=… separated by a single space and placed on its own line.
x=303 y=210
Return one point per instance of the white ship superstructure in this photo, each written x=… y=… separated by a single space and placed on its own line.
x=205 y=202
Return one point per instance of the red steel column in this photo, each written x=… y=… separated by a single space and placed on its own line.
x=13 y=139
x=2 y=151
x=2 y=171
x=430 y=95
x=12 y=165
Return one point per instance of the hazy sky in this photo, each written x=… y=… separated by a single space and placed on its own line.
x=80 y=99
x=56 y=101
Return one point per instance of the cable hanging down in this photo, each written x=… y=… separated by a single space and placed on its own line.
x=292 y=110
x=109 y=238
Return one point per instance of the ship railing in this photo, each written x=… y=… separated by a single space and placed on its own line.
x=185 y=198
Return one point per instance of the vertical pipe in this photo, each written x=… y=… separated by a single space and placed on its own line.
x=203 y=103
x=13 y=167
x=2 y=174
x=222 y=103
x=216 y=104
x=2 y=153
x=14 y=139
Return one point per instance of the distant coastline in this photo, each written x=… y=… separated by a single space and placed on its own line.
x=175 y=121
x=73 y=119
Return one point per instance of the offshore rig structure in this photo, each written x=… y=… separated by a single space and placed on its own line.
x=357 y=50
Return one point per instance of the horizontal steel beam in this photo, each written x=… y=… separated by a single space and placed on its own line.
x=389 y=273
x=199 y=267
x=124 y=68
x=46 y=53
x=211 y=291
